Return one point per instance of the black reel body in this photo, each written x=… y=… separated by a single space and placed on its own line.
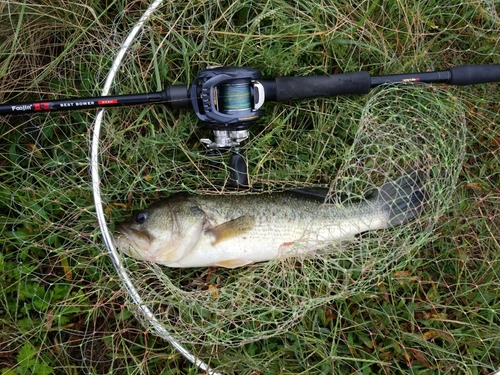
x=228 y=100
x=227 y=96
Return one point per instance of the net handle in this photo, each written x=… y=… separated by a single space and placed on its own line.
x=96 y=182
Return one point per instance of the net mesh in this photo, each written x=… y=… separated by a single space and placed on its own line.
x=417 y=298
x=234 y=307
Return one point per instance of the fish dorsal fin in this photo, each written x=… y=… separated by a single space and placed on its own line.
x=316 y=192
x=232 y=228
x=325 y=195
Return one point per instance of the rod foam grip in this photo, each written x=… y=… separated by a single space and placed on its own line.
x=312 y=86
x=474 y=74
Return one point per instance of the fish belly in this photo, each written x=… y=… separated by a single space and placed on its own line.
x=278 y=240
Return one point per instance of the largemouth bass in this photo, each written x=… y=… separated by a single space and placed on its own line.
x=235 y=230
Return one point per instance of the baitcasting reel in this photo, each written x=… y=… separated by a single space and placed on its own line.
x=229 y=99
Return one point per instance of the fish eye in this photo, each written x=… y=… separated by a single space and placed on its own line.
x=141 y=217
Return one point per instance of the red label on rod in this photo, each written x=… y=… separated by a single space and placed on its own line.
x=406 y=80
x=106 y=102
x=41 y=106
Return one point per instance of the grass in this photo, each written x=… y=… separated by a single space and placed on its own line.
x=434 y=309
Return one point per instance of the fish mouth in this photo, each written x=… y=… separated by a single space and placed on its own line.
x=131 y=241
x=122 y=229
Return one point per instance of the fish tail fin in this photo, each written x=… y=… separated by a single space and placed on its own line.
x=403 y=198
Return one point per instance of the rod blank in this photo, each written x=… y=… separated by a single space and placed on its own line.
x=276 y=89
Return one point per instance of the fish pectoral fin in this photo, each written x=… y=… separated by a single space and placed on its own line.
x=233 y=263
x=231 y=228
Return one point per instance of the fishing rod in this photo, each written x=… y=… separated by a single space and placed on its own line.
x=229 y=99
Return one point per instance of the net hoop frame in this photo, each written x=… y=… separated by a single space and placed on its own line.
x=99 y=204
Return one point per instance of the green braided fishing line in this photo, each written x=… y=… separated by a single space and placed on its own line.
x=235 y=97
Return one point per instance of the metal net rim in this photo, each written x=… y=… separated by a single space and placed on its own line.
x=96 y=183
